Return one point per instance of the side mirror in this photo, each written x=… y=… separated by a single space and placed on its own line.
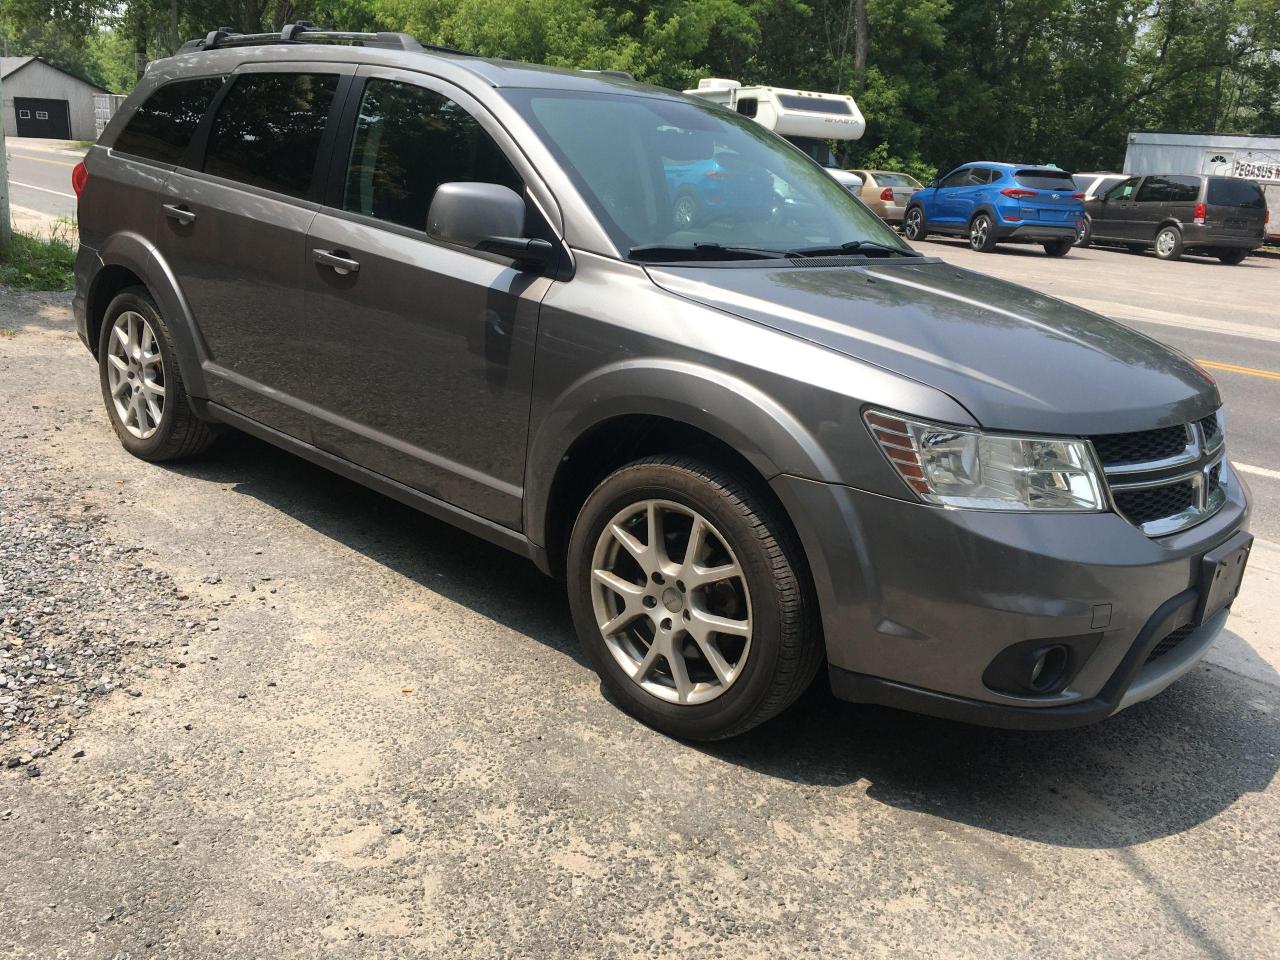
x=488 y=217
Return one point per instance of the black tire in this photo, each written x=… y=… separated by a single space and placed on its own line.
x=1168 y=244
x=1086 y=235
x=1232 y=257
x=1058 y=248
x=982 y=235
x=786 y=647
x=179 y=433
x=914 y=229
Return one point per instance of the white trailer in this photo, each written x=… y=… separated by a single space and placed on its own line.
x=804 y=117
x=1220 y=154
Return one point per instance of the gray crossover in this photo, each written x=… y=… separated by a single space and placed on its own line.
x=654 y=348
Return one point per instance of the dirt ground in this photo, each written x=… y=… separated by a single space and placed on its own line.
x=363 y=734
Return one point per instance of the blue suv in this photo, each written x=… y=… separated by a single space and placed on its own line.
x=994 y=202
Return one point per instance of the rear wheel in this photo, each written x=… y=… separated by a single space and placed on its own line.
x=913 y=224
x=1169 y=243
x=690 y=599
x=982 y=234
x=1232 y=257
x=1058 y=248
x=141 y=384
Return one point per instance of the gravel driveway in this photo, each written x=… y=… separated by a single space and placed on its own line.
x=358 y=733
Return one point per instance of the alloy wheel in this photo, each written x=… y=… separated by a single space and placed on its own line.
x=684 y=211
x=1166 y=242
x=978 y=233
x=135 y=374
x=913 y=223
x=671 y=601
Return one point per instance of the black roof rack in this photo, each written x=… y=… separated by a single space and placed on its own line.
x=306 y=32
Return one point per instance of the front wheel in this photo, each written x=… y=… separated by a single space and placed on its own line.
x=913 y=224
x=1058 y=248
x=1232 y=257
x=982 y=234
x=684 y=212
x=1086 y=235
x=1169 y=243
x=690 y=598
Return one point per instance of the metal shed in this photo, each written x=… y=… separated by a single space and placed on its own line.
x=41 y=100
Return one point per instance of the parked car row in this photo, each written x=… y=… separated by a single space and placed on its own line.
x=991 y=203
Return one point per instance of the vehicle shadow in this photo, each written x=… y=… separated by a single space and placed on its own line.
x=1157 y=769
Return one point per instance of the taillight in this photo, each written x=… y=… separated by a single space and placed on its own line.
x=1077 y=196
x=1017 y=193
x=1199 y=214
x=79 y=177
x=886 y=194
x=715 y=174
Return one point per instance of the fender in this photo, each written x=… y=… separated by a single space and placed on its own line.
x=139 y=255
x=736 y=412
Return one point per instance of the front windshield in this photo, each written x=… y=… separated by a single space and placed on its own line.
x=662 y=173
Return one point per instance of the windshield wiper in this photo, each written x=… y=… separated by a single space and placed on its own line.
x=852 y=247
x=700 y=251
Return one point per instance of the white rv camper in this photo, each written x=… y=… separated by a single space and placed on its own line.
x=807 y=119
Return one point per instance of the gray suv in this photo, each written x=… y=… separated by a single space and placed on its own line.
x=770 y=440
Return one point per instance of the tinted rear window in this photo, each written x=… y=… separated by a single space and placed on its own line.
x=267 y=131
x=1169 y=190
x=1231 y=192
x=1046 y=180
x=163 y=125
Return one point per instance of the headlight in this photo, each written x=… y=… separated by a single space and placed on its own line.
x=955 y=467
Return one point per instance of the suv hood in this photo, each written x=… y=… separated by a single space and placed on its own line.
x=1016 y=359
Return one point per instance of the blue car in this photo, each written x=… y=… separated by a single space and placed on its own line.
x=992 y=203
x=718 y=188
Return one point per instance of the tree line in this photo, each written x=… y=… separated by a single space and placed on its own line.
x=940 y=81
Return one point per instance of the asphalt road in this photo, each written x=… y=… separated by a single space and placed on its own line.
x=1225 y=317
x=40 y=178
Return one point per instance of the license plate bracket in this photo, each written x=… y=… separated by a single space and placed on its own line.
x=1221 y=572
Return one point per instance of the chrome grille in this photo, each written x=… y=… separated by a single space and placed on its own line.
x=1167 y=479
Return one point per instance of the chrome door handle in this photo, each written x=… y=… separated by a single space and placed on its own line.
x=180 y=213
x=341 y=264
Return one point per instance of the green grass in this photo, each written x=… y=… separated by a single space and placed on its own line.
x=32 y=263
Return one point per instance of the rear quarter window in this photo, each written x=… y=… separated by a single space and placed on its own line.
x=1233 y=192
x=1046 y=180
x=162 y=127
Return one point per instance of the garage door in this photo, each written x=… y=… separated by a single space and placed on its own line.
x=42 y=118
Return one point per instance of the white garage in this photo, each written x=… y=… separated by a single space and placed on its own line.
x=41 y=100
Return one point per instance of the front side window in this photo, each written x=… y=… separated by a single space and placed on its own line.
x=268 y=129
x=1123 y=190
x=163 y=126
x=408 y=141
x=957 y=178
x=661 y=173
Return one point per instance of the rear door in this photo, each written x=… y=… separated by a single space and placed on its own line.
x=419 y=359
x=1112 y=219
x=1234 y=208
x=234 y=231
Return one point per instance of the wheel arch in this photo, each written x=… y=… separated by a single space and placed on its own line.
x=632 y=410
x=129 y=259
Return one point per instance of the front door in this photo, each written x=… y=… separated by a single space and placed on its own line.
x=1113 y=218
x=420 y=353
x=235 y=234
x=945 y=208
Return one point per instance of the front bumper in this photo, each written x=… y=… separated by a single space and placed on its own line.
x=918 y=601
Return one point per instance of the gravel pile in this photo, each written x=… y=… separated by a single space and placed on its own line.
x=80 y=615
